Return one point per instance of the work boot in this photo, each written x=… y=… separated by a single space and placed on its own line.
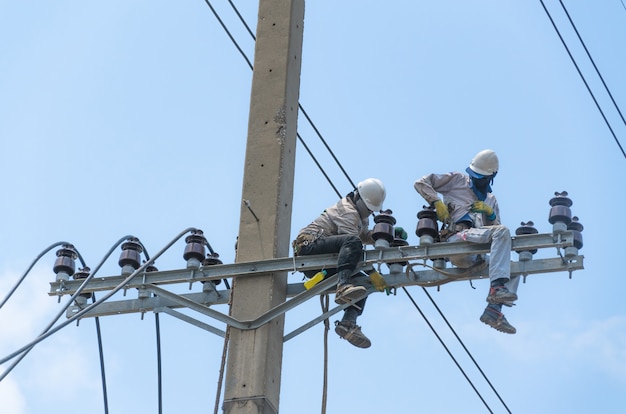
x=500 y=294
x=347 y=293
x=351 y=332
x=496 y=320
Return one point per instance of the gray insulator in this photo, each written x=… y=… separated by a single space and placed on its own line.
x=193 y=263
x=571 y=252
x=439 y=264
x=381 y=244
x=426 y=239
x=559 y=227
x=525 y=256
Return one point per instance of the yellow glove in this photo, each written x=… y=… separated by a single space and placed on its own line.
x=378 y=281
x=442 y=211
x=482 y=207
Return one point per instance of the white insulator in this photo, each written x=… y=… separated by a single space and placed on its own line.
x=571 y=252
x=395 y=268
x=525 y=256
x=193 y=263
x=559 y=227
x=439 y=263
x=381 y=244
x=426 y=239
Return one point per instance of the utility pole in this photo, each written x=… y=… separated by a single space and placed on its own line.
x=254 y=365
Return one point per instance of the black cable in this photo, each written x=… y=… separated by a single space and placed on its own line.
x=208 y=3
x=593 y=63
x=101 y=353
x=466 y=350
x=157 y=325
x=446 y=348
x=326 y=145
x=306 y=147
x=46 y=250
x=583 y=78
x=243 y=21
x=26 y=350
x=89 y=308
x=158 y=349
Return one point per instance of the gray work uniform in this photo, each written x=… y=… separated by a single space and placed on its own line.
x=458 y=196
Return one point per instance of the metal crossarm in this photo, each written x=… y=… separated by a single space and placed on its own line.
x=303 y=263
x=415 y=262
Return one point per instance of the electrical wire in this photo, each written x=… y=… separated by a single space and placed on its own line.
x=466 y=350
x=43 y=253
x=105 y=397
x=324 y=301
x=446 y=348
x=54 y=320
x=608 y=91
x=159 y=371
x=583 y=78
x=95 y=304
x=243 y=54
x=157 y=327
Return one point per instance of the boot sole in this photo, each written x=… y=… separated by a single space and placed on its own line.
x=356 y=293
x=500 y=327
x=504 y=299
x=357 y=339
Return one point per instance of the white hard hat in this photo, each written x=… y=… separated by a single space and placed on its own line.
x=485 y=163
x=373 y=193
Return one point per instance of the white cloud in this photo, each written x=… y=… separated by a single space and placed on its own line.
x=12 y=399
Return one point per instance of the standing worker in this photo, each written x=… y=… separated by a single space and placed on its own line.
x=472 y=213
x=343 y=228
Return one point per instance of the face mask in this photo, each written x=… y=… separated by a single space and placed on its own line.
x=482 y=184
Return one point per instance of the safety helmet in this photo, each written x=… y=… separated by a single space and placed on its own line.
x=485 y=163
x=372 y=192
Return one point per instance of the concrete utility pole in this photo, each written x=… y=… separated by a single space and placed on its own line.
x=254 y=364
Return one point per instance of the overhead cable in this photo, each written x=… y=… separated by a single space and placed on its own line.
x=105 y=397
x=593 y=62
x=583 y=79
x=39 y=256
x=243 y=54
x=466 y=350
x=95 y=304
x=446 y=348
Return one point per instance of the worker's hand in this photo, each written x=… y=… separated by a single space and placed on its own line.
x=482 y=207
x=378 y=281
x=400 y=233
x=442 y=211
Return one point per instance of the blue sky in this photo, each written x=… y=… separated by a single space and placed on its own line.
x=130 y=118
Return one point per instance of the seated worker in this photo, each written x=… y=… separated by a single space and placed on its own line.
x=343 y=228
x=472 y=211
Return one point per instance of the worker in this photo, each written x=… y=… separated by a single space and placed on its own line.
x=343 y=228
x=471 y=212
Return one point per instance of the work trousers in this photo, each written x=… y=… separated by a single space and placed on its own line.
x=349 y=249
x=499 y=257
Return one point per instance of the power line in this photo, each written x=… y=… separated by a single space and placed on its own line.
x=446 y=348
x=50 y=331
x=593 y=63
x=466 y=350
x=243 y=54
x=583 y=78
